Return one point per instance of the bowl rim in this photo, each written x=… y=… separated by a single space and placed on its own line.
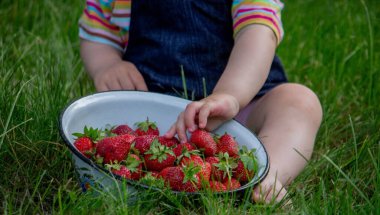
x=132 y=182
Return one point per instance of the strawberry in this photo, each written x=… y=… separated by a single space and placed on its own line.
x=120 y=170
x=172 y=142
x=192 y=158
x=191 y=181
x=114 y=149
x=123 y=129
x=134 y=164
x=221 y=166
x=205 y=172
x=163 y=172
x=196 y=160
x=217 y=186
x=85 y=145
x=183 y=148
x=226 y=143
x=183 y=178
x=85 y=141
x=216 y=173
x=128 y=138
x=204 y=141
x=158 y=157
x=231 y=184
x=142 y=143
x=246 y=166
x=155 y=174
x=146 y=128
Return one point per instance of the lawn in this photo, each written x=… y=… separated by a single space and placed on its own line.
x=330 y=46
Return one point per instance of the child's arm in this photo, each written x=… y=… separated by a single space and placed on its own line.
x=106 y=67
x=246 y=72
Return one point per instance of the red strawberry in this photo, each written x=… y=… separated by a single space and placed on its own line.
x=183 y=148
x=85 y=141
x=121 y=170
x=221 y=166
x=158 y=157
x=192 y=158
x=123 y=129
x=232 y=184
x=246 y=166
x=134 y=164
x=129 y=138
x=196 y=160
x=147 y=128
x=172 y=142
x=183 y=179
x=216 y=174
x=155 y=174
x=192 y=181
x=217 y=186
x=164 y=172
x=142 y=143
x=114 y=149
x=205 y=172
x=228 y=144
x=204 y=141
x=85 y=145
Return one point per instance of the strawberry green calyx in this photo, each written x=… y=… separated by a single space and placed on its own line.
x=93 y=134
x=115 y=166
x=145 y=125
x=187 y=154
x=158 y=151
x=190 y=172
x=133 y=163
x=107 y=132
x=226 y=164
x=248 y=158
x=99 y=159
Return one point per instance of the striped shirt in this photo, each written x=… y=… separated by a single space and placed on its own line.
x=107 y=21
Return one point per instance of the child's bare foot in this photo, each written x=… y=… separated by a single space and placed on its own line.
x=269 y=190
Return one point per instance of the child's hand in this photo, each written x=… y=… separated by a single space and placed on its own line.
x=207 y=113
x=122 y=75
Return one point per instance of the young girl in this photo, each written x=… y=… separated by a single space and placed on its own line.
x=141 y=44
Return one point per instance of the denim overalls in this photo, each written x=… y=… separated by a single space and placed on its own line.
x=196 y=34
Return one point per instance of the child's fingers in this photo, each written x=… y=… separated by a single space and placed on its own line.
x=126 y=84
x=113 y=85
x=171 y=132
x=204 y=113
x=180 y=128
x=190 y=114
x=138 y=81
x=100 y=87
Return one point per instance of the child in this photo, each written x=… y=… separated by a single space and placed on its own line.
x=231 y=44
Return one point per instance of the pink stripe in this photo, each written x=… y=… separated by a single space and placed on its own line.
x=121 y=11
x=256 y=16
x=253 y=9
x=101 y=21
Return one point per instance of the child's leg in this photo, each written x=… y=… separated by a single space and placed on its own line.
x=286 y=119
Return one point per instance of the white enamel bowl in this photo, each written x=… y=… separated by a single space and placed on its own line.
x=120 y=107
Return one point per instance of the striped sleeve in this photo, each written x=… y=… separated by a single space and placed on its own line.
x=265 y=12
x=106 y=22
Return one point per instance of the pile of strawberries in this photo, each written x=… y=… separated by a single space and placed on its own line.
x=206 y=161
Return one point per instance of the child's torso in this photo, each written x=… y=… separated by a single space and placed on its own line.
x=167 y=34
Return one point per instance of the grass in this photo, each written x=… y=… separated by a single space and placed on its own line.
x=331 y=46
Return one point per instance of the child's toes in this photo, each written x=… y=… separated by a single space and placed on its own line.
x=269 y=191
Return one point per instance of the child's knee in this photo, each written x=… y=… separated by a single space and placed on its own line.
x=303 y=99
